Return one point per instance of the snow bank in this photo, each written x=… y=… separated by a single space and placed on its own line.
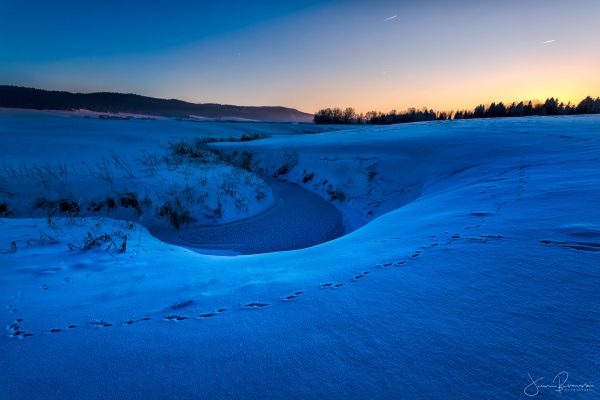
x=484 y=269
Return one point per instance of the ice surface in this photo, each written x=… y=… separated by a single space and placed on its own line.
x=297 y=219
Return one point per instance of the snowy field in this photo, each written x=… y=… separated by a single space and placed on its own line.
x=453 y=260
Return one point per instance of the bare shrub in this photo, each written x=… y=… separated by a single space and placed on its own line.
x=371 y=172
x=111 y=203
x=250 y=137
x=130 y=200
x=181 y=149
x=260 y=193
x=65 y=206
x=229 y=187
x=4 y=210
x=290 y=161
x=13 y=248
x=246 y=137
x=198 y=152
x=122 y=165
x=96 y=238
x=68 y=206
x=218 y=211
x=96 y=206
x=104 y=170
x=44 y=240
x=176 y=215
x=178 y=209
x=308 y=177
x=246 y=160
x=52 y=224
x=51 y=172
x=151 y=163
x=335 y=194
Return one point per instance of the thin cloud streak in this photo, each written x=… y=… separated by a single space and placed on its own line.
x=548 y=41
x=390 y=18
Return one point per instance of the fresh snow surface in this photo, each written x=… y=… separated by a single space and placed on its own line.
x=471 y=265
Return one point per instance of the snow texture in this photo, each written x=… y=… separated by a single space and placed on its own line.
x=470 y=261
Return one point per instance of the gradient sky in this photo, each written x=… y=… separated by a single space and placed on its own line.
x=373 y=55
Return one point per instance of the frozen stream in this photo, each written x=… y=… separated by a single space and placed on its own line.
x=298 y=219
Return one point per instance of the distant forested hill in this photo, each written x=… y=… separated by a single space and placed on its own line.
x=21 y=97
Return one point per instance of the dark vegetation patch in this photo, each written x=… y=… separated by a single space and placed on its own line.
x=290 y=161
x=4 y=211
x=284 y=169
x=95 y=240
x=111 y=203
x=130 y=200
x=67 y=206
x=246 y=160
x=96 y=206
x=246 y=137
x=308 y=177
x=175 y=215
x=335 y=194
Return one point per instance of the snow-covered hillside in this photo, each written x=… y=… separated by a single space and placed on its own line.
x=158 y=171
x=470 y=263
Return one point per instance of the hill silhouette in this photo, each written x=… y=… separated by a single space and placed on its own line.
x=38 y=99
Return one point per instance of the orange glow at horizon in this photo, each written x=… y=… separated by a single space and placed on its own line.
x=441 y=55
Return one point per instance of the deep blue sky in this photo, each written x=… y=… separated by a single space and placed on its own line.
x=54 y=30
x=380 y=54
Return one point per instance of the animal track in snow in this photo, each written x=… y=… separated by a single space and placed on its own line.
x=180 y=305
x=581 y=246
x=481 y=213
x=330 y=285
x=134 y=321
x=485 y=238
x=176 y=318
x=101 y=323
x=293 y=296
x=184 y=304
x=360 y=276
x=256 y=305
x=16 y=330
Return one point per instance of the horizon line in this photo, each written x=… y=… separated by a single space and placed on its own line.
x=196 y=102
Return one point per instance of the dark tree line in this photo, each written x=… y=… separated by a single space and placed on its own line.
x=551 y=106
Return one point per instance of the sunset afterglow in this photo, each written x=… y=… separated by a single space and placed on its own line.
x=380 y=55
